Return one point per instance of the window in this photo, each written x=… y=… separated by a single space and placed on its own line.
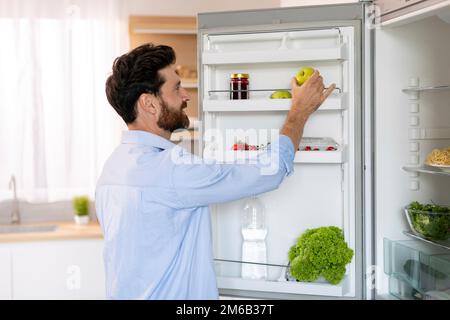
x=56 y=126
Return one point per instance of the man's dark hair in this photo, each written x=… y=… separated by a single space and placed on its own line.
x=134 y=73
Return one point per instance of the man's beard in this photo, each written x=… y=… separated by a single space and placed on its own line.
x=171 y=120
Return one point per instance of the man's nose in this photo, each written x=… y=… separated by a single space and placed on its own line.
x=186 y=95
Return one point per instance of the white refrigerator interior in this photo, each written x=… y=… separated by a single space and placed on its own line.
x=322 y=189
x=409 y=125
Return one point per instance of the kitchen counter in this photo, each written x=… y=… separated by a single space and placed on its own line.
x=65 y=230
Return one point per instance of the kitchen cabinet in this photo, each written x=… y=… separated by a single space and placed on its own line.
x=53 y=270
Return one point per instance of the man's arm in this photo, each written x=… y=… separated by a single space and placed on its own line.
x=200 y=183
x=305 y=100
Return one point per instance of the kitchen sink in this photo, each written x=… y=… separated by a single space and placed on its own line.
x=26 y=228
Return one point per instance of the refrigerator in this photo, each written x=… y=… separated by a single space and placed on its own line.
x=390 y=108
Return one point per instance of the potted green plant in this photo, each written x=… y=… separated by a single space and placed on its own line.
x=81 y=207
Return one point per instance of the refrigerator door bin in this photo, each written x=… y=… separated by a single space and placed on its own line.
x=228 y=277
x=266 y=47
x=337 y=157
x=272 y=59
x=326 y=54
x=320 y=157
x=263 y=77
x=227 y=132
x=336 y=101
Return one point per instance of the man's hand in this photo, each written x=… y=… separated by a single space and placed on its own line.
x=307 y=98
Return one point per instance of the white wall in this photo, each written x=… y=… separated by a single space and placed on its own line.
x=445 y=15
x=192 y=7
x=293 y=3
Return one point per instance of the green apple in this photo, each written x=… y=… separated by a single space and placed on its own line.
x=304 y=75
x=282 y=94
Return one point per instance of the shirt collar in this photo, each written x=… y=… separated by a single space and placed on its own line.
x=145 y=138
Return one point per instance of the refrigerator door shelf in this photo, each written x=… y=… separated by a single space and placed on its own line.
x=293 y=287
x=336 y=101
x=338 y=53
x=338 y=156
x=275 y=39
x=319 y=157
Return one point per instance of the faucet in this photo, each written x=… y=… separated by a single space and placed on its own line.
x=15 y=215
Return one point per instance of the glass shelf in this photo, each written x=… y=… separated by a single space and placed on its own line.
x=427 y=169
x=249 y=262
x=430 y=88
x=443 y=244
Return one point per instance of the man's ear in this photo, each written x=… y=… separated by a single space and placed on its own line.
x=147 y=103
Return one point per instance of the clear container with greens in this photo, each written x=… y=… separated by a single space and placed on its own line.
x=428 y=220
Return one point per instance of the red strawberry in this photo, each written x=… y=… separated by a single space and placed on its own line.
x=238 y=146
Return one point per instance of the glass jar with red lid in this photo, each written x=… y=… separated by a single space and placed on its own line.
x=239 y=86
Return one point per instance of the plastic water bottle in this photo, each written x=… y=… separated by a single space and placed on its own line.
x=254 y=245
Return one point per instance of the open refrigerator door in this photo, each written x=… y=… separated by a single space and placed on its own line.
x=325 y=188
x=411 y=141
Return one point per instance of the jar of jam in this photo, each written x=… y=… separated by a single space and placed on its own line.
x=239 y=86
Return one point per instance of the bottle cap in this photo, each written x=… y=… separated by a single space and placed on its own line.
x=239 y=75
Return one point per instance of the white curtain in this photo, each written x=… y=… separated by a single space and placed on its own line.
x=56 y=126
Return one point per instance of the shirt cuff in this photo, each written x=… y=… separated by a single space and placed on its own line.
x=287 y=153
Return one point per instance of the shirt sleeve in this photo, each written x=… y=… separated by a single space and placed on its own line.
x=201 y=183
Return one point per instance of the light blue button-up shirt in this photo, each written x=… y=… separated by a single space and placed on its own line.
x=152 y=206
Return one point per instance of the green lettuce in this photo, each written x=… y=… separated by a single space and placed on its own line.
x=320 y=252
